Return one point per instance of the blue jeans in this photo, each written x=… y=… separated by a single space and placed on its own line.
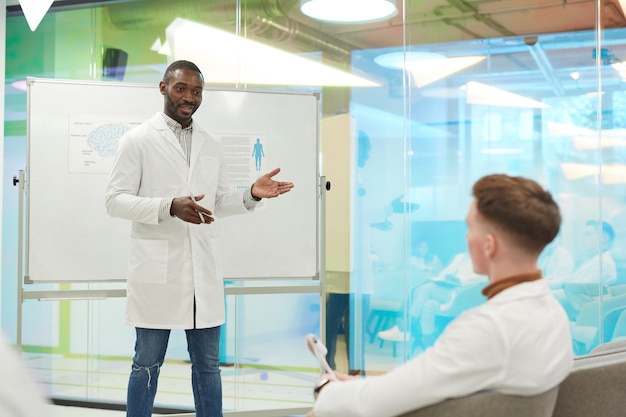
x=150 y=347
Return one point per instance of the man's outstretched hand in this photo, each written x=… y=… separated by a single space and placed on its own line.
x=266 y=187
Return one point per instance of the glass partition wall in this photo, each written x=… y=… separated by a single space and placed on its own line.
x=414 y=109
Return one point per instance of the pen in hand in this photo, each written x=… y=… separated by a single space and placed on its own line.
x=193 y=198
x=188 y=210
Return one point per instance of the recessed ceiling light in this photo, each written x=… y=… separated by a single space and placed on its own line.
x=349 y=11
x=235 y=59
x=399 y=59
x=427 y=67
x=479 y=93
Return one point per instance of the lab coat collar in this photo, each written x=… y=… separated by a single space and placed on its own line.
x=166 y=133
x=197 y=137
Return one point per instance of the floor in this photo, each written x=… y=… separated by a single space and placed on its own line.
x=62 y=411
x=243 y=389
x=272 y=391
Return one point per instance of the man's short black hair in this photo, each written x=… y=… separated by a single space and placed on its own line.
x=181 y=64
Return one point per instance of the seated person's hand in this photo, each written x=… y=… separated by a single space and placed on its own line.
x=326 y=379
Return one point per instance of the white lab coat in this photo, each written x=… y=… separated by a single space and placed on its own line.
x=20 y=394
x=589 y=272
x=518 y=342
x=171 y=262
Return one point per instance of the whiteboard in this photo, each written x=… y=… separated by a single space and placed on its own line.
x=69 y=236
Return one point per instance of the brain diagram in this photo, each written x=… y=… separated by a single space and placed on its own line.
x=103 y=139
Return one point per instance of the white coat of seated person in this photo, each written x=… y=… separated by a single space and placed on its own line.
x=460 y=272
x=440 y=291
x=598 y=267
x=583 y=285
x=556 y=264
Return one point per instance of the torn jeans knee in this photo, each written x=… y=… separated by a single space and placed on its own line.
x=157 y=367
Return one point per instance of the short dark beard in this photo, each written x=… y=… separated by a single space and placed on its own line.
x=171 y=107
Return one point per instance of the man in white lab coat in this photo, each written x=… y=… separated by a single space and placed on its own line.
x=518 y=342
x=168 y=178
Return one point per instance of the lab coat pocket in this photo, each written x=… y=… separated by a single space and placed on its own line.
x=148 y=261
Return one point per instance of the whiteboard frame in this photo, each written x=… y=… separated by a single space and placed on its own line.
x=319 y=262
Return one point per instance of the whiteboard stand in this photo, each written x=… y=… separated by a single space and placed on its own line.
x=324 y=187
x=51 y=295
x=57 y=295
x=46 y=186
x=20 y=243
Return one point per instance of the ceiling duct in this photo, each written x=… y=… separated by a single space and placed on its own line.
x=266 y=19
x=470 y=10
